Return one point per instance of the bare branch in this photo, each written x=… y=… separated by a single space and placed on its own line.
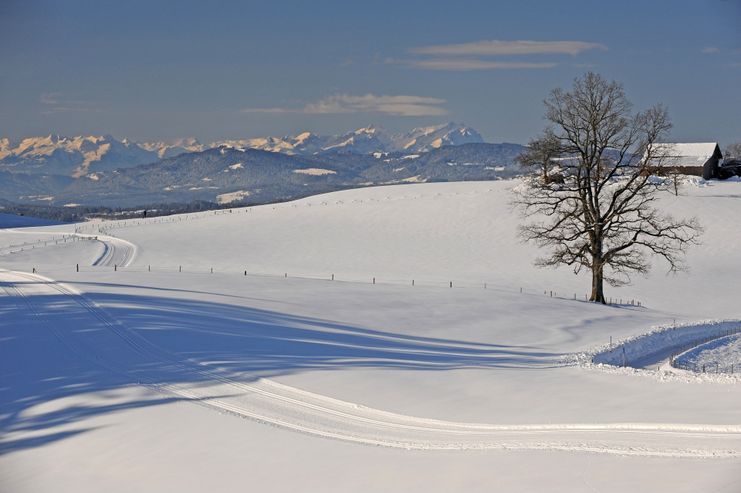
x=592 y=201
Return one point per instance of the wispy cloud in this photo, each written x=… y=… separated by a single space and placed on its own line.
x=49 y=98
x=54 y=102
x=398 y=105
x=506 y=48
x=466 y=64
x=271 y=110
x=708 y=50
x=477 y=55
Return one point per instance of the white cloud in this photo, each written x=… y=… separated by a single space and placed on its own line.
x=710 y=50
x=54 y=102
x=465 y=64
x=399 y=105
x=50 y=98
x=473 y=56
x=271 y=110
x=499 y=48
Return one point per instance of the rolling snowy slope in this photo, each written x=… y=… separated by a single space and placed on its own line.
x=441 y=232
x=456 y=384
x=15 y=221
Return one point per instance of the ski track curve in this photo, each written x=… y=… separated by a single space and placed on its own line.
x=123 y=351
x=116 y=252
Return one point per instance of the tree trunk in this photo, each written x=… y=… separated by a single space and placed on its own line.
x=598 y=294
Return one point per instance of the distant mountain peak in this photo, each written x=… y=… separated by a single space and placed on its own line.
x=423 y=139
x=85 y=154
x=370 y=129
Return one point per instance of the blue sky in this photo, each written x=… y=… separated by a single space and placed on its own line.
x=160 y=70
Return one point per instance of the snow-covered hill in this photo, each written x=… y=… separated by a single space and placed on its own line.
x=145 y=359
x=16 y=221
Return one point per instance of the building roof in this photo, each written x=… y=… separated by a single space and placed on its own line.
x=684 y=154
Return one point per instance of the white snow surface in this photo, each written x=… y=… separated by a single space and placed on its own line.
x=472 y=388
x=315 y=171
x=719 y=356
x=16 y=221
x=228 y=198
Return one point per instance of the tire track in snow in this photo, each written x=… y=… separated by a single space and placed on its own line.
x=288 y=407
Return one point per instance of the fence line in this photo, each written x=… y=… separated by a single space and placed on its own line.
x=706 y=367
x=41 y=243
x=358 y=279
x=104 y=227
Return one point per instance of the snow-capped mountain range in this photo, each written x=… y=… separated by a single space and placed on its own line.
x=82 y=155
x=365 y=140
x=227 y=175
x=73 y=156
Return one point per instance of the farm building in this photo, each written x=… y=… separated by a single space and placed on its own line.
x=700 y=158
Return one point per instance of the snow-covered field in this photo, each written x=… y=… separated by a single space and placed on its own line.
x=133 y=373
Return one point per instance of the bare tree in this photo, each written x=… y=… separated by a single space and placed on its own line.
x=675 y=176
x=733 y=151
x=600 y=216
x=541 y=153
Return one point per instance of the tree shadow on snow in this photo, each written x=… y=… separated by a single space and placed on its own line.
x=55 y=352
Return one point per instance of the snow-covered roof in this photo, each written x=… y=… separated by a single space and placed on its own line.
x=684 y=154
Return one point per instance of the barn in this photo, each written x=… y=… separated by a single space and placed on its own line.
x=698 y=158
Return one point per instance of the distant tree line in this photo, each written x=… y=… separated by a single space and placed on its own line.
x=85 y=213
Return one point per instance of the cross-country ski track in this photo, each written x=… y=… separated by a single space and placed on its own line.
x=117 y=252
x=270 y=402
